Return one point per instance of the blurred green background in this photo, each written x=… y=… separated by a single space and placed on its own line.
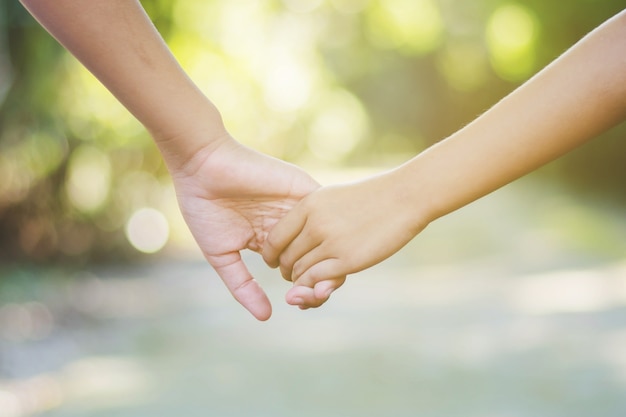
x=321 y=83
x=513 y=306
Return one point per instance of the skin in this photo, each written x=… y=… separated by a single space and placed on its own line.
x=230 y=195
x=344 y=229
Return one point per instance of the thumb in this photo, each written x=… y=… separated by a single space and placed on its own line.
x=244 y=288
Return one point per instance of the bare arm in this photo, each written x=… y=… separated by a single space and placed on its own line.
x=343 y=229
x=118 y=43
x=578 y=96
x=229 y=195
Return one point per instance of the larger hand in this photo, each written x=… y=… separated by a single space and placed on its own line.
x=230 y=197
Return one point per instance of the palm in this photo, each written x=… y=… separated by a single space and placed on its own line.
x=230 y=202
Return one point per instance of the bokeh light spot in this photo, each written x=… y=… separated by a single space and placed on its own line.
x=287 y=86
x=511 y=34
x=89 y=178
x=411 y=26
x=339 y=127
x=147 y=230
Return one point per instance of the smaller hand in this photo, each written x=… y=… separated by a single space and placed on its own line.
x=340 y=230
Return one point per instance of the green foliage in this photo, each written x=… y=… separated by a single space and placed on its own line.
x=329 y=82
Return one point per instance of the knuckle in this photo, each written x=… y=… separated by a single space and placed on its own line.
x=285 y=261
x=308 y=202
x=285 y=274
x=298 y=269
x=270 y=254
x=270 y=245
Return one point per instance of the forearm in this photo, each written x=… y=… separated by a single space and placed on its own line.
x=117 y=42
x=578 y=96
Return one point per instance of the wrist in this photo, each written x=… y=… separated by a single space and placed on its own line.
x=412 y=204
x=452 y=174
x=186 y=145
x=416 y=190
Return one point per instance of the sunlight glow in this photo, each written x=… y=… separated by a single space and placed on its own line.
x=339 y=127
x=147 y=230
x=242 y=28
x=289 y=67
x=411 y=26
x=511 y=35
x=287 y=86
x=89 y=178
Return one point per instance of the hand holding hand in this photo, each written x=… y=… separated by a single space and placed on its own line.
x=340 y=230
x=230 y=197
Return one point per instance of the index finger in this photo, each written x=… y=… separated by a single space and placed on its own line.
x=244 y=288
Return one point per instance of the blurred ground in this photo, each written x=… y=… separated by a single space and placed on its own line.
x=514 y=306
